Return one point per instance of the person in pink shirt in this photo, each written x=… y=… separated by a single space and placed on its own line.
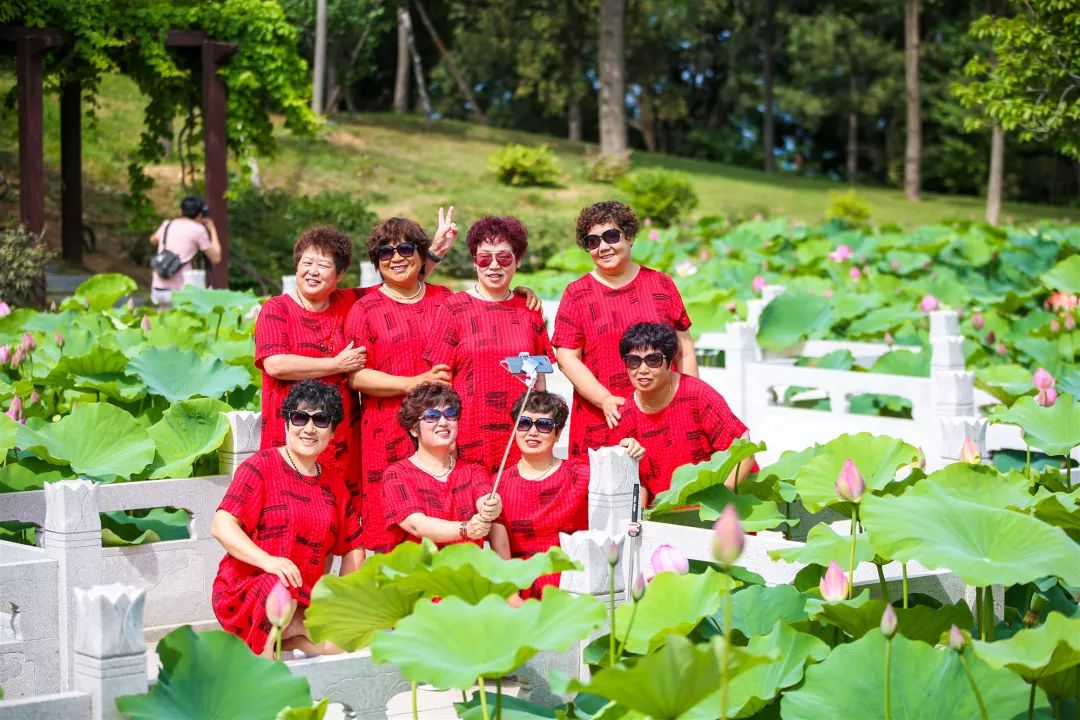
x=186 y=236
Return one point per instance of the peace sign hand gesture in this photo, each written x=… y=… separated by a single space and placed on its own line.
x=445 y=234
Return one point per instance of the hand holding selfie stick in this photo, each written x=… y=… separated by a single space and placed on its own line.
x=531 y=366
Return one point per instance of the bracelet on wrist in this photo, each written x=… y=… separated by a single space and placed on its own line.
x=462 y=530
x=435 y=256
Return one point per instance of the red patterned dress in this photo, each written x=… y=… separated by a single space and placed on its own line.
x=695 y=424
x=593 y=317
x=285 y=328
x=406 y=489
x=287 y=515
x=478 y=335
x=536 y=511
x=395 y=335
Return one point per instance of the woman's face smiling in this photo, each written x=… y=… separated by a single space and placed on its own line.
x=316 y=276
x=646 y=379
x=496 y=279
x=307 y=440
x=441 y=434
x=532 y=442
x=401 y=271
x=610 y=259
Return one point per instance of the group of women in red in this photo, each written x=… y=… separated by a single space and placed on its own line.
x=393 y=400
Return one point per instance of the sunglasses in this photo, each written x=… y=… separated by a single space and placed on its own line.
x=543 y=425
x=653 y=360
x=385 y=252
x=611 y=237
x=433 y=415
x=504 y=259
x=299 y=418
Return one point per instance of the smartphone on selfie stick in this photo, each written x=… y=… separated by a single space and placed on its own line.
x=528 y=367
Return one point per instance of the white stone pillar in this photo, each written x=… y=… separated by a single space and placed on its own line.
x=71 y=536
x=288 y=284
x=110 y=652
x=369 y=275
x=952 y=392
x=740 y=350
x=242 y=441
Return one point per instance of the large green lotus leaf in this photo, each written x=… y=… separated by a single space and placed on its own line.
x=1055 y=430
x=877 y=458
x=178 y=374
x=348 y=610
x=512 y=708
x=786 y=468
x=672 y=604
x=876 y=322
x=17 y=477
x=903 y=362
x=926 y=684
x=752 y=690
x=1004 y=382
x=101 y=369
x=101 y=292
x=756 y=609
x=215 y=675
x=918 y=622
x=1037 y=653
x=823 y=546
x=848 y=306
x=9 y=430
x=1065 y=276
x=204 y=301
x=689 y=479
x=119 y=528
x=982 y=545
x=452 y=643
x=984 y=485
x=188 y=430
x=1059 y=509
x=97 y=440
x=754 y=513
x=792 y=317
x=315 y=712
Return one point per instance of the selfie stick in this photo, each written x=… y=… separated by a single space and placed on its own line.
x=529 y=369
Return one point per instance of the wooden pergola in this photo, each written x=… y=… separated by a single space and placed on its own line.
x=30 y=46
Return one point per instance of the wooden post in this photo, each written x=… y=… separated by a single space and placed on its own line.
x=215 y=150
x=28 y=63
x=71 y=227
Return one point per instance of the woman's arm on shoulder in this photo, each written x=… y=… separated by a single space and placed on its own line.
x=686 y=354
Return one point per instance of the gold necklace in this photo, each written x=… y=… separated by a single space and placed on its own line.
x=542 y=473
x=481 y=295
x=389 y=290
x=649 y=409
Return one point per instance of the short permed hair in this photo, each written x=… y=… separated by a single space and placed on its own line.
x=542 y=402
x=424 y=397
x=608 y=211
x=496 y=228
x=328 y=240
x=642 y=336
x=315 y=395
x=394 y=231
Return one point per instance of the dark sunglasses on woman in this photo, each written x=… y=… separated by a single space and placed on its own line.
x=505 y=259
x=653 y=360
x=611 y=237
x=385 y=252
x=299 y=418
x=543 y=425
x=433 y=415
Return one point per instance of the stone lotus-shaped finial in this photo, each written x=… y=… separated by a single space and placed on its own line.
x=71 y=507
x=245 y=432
x=109 y=620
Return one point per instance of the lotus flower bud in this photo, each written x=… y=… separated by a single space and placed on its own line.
x=849 y=483
x=990 y=338
x=637 y=589
x=827 y=294
x=5 y=354
x=131 y=304
x=1046 y=398
x=13 y=415
x=5 y=309
x=929 y=303
x=758 y=284
x=34 y=397
x=732 y=307
x=145 y=324
x=28 y=345
x=888 y=622
x=667 y=558
x=280 y=605
x=889 y=339
x=1001 y=350
x=956 y=639
x=17 y=357
x=15 y=410
x=611 y=551
x=58 y=338
x=1055 y=326
x=840 y=254
x=648 y=222
x=1070 y=322
x=894 y=264
x=978 y=321
x=728 y=536
x=1042 y=379
x=969 y=452
x=854 y=273
x=833 y=583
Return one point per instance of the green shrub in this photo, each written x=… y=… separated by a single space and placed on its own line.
x=523 y=166
x=607 y=168
x=22 y=266
x=848 y=207
x=663 y=195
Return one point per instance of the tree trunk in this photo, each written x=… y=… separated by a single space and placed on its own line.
x=997 y=174
x=319 y=85
x=477 y=113
x=339 y=86
x=334 y=87
x=418 y=67
x=611 y=60
x=648 y=120
x=852 y=124
x=573 y=120
x=768 y=130
x=913 y=149
x=401 y=77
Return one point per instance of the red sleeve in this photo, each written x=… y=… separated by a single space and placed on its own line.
x=676 y=308
x=543 y=344
x=443 y=344
x=271 y=331
x=348 y=537
x=579 y=477
x=720 y=424
x=399 y=493
x=357 y=333
x=482 y=484
x=244 y=498
x=569 y=332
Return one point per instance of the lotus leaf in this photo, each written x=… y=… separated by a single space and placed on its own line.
x=984 y=485
x=903 y=362
x=672 y=605
x=215 y=675
x=756 y=609
x=178 y=374
x=877 y=458
x=836 y=360
x=982 y=545
x=97 y=440
x=848 y=306
x=689 y=479
x=754 y=513
x=16 y=477
x=1060 y=509
x=792 y=317
x=1042 y=655
x=926 y=684
x=136 y=528
x=1055 y=430
x=101 y=369
x=437 y=643
x=101 y=292
x=512 y=708
x=1065 y=276
x=1004 y=382
x=918 y=622
x=824 y=545
x=188 y=430
x=204 y=301
x=878 y=321
x=315 y=712
x=8 y=431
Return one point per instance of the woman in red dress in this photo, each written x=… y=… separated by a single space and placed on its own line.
x=594 y=312
x=283 y=519
x=678 y=418
x=430 y=494
x=481 y=328
x=542 y=495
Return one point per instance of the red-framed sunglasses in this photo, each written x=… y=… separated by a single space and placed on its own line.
x=504 y=259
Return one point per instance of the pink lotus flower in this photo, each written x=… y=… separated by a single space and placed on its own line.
x=145 y=324
x=58 y=338
x=1062 y=301
x=34 y=397
x=1042 y=379
x=1046 y=398
x=654 y=235
x=929 y=303
x=28 y=345
x=637 y=589
x=5 y=354
x=854 y=273
x=888 y=622
x=5 y=309
x=15 y=410
x=978 y=321
x=280 y=605
x=841 y=254
x=1055 y=326
x=895 y=264
x=758 y=283
x=969 y=452
x=731 y=307
x=956 y=639
x=667 y=558
x=648 y=222
x=13 y=415
x=849 y=483
x=827 y=294
x=728 y=537
x=1001 y=349
x=833 y=585
x=1070 y=322
x=889 y=339
x=17 y=357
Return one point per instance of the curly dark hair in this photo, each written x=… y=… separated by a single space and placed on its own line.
x=315 y=395
x=328 y=240
x=424 y=397
x=496 y=228
x=394 y=231
x=543 y=402
x=642 y=336
x=608 y=211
